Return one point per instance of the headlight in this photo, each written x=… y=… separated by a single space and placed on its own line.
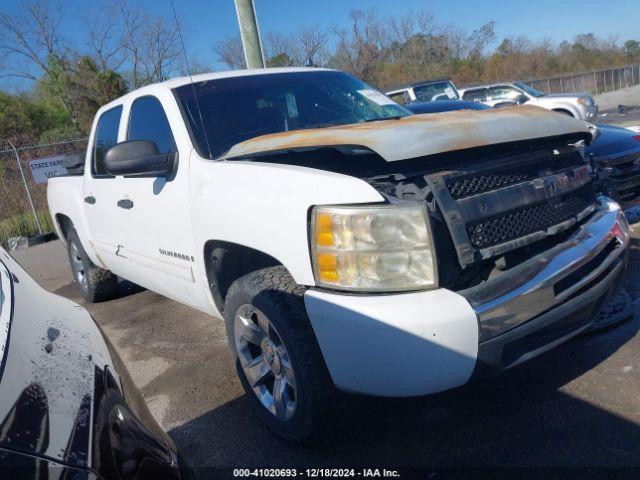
x=373 y=248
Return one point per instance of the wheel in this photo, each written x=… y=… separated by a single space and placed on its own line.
x=277 y=356
x=95 y=283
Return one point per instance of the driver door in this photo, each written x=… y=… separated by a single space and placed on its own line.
x=160 y=238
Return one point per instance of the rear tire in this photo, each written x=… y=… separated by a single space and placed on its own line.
x=96 y=284
x=273 y=344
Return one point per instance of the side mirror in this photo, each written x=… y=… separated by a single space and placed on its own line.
x=522 y=98
x=138 y=158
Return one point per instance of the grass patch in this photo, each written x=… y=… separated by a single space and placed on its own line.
x=23 y=225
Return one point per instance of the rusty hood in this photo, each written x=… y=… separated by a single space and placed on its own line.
x=420 y=135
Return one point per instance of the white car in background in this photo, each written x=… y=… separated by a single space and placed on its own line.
x=578 y=105
x=425 y=91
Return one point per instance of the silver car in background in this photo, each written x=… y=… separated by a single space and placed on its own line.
x=578 y=105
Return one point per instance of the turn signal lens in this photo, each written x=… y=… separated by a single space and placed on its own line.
x=373 y=248
x=324 y=230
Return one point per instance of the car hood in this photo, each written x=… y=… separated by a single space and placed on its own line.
x=567 y=96
x=421 y=135
x=613 y=141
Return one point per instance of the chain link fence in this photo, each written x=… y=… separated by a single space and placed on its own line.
x=595 y=82
x=23 y=202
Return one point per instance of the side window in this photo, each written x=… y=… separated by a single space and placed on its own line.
x=479 y=95
x=148 y=121
x=105 y=138
x=503 y=93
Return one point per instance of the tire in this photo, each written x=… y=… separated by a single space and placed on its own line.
x=95 y=283
x=272 y=293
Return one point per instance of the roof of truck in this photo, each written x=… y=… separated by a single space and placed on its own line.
x=203 y=77
x=180 y=81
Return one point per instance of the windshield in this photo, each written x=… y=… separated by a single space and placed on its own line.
x=436 y=91
x=239 y=108
x=530 y=90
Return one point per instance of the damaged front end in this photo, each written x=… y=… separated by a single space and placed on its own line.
x=493 y=207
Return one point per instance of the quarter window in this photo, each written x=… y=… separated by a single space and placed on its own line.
x=148 y=121
x=106 y=137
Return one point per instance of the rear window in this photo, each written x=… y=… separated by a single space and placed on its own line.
x=105 y=138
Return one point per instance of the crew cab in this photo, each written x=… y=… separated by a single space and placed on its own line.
x=348 y=244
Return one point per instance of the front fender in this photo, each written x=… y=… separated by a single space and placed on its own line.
x=266 y=207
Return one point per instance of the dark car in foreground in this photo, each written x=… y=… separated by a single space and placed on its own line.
x=68 y=408
x=615 y=156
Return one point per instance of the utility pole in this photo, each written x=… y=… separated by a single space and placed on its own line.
x=249 y=33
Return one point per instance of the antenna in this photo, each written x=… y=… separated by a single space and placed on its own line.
x=195 y=95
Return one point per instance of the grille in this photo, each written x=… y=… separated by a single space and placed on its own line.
x=523 y=222
x=472 y=185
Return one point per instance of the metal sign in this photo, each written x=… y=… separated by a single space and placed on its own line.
x=42 y=169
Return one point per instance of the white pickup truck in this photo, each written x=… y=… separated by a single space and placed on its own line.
x=348 y=244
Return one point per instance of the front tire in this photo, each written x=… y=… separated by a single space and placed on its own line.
x=95 y=283
x=277 y=356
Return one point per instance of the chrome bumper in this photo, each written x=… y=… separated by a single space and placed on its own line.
x=551 y=280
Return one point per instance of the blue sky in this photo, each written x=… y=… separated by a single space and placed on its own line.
x=208 y=21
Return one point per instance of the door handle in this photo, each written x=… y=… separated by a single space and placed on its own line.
x=90 y=200
x=125 y=203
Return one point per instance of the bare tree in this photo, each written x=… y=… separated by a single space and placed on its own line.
x=280 y=50
x=105 y=37
x=151 y=46
x=163 y=53
x=230 y=52
x=29 y=39
x=362 y=45
x=312 y=45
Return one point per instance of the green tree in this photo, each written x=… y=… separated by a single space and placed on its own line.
x=632 y=49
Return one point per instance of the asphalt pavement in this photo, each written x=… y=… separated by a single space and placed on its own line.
x=576 y=406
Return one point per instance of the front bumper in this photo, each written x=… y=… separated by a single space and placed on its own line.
x=425 y=342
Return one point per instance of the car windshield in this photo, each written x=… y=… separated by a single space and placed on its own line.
x=530 y=90
x=239 y=108
x=436 y=91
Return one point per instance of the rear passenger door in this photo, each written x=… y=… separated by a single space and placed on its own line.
x=160 y=238
x=107 y=222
